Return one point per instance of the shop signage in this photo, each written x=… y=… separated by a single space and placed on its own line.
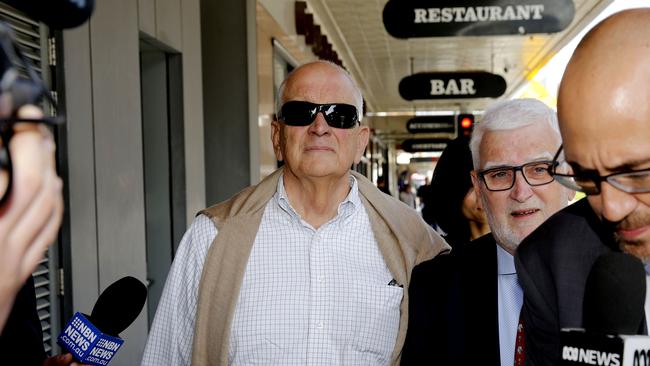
x=431 y=124
x=415 y=145
x=451 y=85
x=444 y=18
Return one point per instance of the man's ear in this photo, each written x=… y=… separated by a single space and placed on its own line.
x=571 y=194
x=362 y=142
x=276 y=138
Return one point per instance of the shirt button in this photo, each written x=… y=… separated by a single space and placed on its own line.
x=321 y=278
x=319 y=325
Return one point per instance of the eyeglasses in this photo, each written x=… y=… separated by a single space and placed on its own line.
x=536 y=173
x=337 y=115
x=633 y=181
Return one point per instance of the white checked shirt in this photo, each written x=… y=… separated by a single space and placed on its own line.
x=511 y=298
x=308 y=297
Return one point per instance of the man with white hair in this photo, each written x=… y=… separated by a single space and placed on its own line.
x=465 y=307
x=307 y=267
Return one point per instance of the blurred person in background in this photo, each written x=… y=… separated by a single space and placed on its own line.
x=407 y=196
x=424 y=192
x=382 y=185
x=455 y=208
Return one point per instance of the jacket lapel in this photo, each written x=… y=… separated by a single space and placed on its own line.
x=480 y=300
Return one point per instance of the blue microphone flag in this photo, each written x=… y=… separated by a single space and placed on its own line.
x=87 y=343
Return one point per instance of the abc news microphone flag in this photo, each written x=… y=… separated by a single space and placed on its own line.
x=613 y=316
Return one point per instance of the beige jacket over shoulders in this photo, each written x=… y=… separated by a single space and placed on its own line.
x=404 y=240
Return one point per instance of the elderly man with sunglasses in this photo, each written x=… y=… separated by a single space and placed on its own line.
x=465 y=307
x=604 y=113
x=307 y=267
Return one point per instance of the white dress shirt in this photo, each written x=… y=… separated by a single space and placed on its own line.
x=511 y=298
x=308 y=297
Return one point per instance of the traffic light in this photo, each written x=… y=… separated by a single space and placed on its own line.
x=464 y=124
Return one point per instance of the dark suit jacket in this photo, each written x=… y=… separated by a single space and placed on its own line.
x=21 y=342
x=553 y=263
x=453 y=318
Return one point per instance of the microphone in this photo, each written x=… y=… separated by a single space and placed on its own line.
x=94 y=339
x=57 y=14
x=614 y=301
x=613 y=313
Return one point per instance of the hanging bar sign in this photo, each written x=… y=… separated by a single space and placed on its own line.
x=431 y=124
x=451 y=85
x=444 y=18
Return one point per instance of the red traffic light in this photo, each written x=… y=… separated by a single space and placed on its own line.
x=466 y=122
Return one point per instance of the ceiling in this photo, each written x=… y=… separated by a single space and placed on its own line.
x=379 y=61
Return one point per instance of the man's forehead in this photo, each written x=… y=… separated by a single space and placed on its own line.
x=605 y=121
x=325 y=92
x=534 y=142
x=538 y=156
x=608 y=156
x=308 y=89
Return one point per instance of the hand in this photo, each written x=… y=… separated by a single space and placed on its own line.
x=30 y=219
x=61 y=360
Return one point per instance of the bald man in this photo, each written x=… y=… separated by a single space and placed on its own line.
x=310 y=266
x=604 y=115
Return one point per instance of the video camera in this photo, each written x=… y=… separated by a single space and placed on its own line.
x=20 y=84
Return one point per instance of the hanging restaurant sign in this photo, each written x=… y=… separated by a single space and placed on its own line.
x=430 y=124
x=415 y=145
x=451 y=85
x=444 y=18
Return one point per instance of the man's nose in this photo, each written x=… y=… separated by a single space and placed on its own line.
x=521 y=191
x=319 y=126
x=616 y=204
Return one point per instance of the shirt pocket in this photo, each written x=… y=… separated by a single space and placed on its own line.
x=378 y=323
x=260 y=351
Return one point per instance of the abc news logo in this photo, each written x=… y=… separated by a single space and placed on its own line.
x=584 y=356
x=641 y=357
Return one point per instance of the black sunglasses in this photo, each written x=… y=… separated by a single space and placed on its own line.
x=337 y=115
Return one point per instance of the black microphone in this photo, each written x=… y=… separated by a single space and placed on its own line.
x=613 y=314
x=614 y=301
x=57 y=14
x=94 y=339
x=119 y=305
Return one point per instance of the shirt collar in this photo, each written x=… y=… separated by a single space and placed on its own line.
x=505 y=262
x=345 y=209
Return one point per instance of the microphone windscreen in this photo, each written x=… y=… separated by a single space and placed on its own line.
x=119 y=305
x=57 y=14
x=614 y=298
